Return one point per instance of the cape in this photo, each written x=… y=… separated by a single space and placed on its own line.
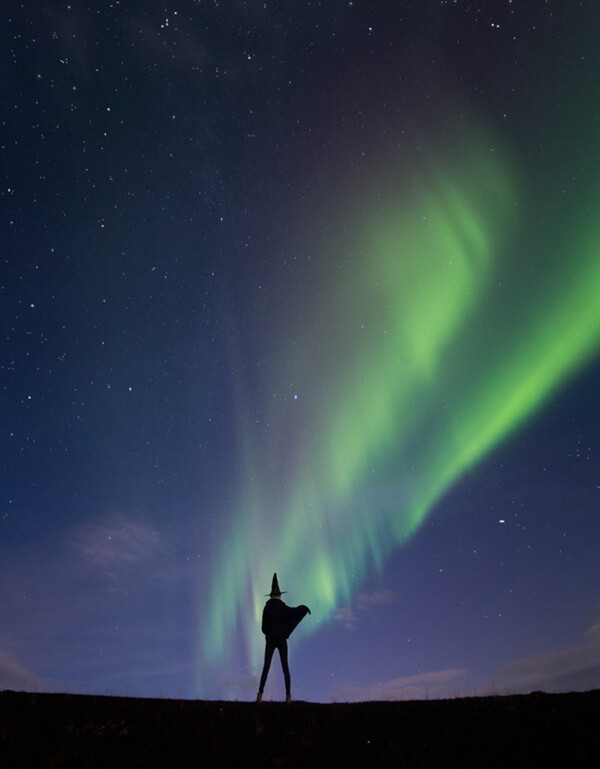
x=280 y=620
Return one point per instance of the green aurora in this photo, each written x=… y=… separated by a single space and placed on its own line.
x=441 y=336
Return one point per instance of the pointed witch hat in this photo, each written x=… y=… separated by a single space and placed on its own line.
x=275 y=591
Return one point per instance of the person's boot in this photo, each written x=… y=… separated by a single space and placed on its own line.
x=288 y=698
x=259 y=697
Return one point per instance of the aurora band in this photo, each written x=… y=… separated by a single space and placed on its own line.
x=444 y=334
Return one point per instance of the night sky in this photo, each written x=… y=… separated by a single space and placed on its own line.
x=306 y=287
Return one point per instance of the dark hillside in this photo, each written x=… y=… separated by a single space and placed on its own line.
x=62 y=730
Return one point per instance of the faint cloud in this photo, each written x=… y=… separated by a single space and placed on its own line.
x=117 y=541
x=419 y=687
x=365 y=602
x=593 y=634
x=346 y=616
x=376 y=598
x=14 y=676
x=566 y=669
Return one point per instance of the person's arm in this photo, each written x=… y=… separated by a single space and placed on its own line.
x=295 y=616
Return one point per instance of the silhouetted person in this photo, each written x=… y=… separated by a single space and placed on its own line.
x=278 y=622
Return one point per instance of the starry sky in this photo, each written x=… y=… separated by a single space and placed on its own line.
x=306 y=287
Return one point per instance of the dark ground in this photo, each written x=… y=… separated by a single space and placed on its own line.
x=68 y=730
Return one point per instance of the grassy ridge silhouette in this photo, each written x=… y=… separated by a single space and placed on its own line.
x=68 y=730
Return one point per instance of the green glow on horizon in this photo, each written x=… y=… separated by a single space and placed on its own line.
x=432 y=348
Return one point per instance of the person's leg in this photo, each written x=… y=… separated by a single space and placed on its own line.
x=269 y=649
x=283 y=654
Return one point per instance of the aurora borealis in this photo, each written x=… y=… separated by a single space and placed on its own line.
x=307 y=288
x=426 y=372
